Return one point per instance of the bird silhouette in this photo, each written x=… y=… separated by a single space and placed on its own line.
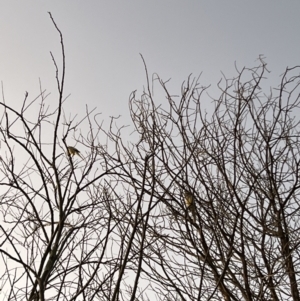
x=190 y=203
x=72 y=151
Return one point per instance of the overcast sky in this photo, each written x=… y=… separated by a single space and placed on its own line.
x=103 y=40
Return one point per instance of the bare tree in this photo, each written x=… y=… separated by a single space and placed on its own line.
x=220 y=210
x=60 y=233
x=197 y=206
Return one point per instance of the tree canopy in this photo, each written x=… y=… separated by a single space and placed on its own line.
x=198 y=205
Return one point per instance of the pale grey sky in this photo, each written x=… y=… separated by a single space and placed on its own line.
x=103 y=40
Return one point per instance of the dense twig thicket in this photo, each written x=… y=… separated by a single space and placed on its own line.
x=116 y=226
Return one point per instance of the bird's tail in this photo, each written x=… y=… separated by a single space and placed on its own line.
x=193 y=210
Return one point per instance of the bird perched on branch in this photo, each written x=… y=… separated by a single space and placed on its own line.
x=72 y=151
x=188 y=198
x=190 y=203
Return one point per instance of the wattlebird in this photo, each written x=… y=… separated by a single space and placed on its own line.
x=190 y=203
x=72 y=151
